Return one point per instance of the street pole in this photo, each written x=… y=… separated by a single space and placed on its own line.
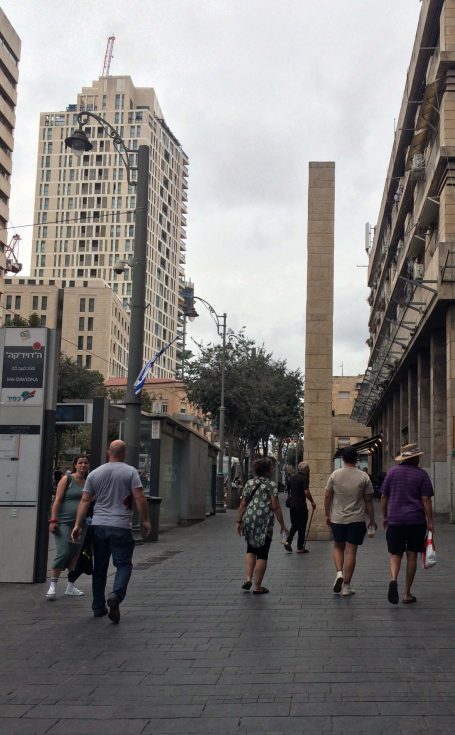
x=136 y=339
x=220 y=508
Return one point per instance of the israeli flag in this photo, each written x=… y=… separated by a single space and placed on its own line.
x=140 y=380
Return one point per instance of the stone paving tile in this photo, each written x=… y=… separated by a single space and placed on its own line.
x=194 y=654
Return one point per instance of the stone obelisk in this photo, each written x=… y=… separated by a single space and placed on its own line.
x=318 y=444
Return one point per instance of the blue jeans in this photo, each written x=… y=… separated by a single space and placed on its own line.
x=107 y=541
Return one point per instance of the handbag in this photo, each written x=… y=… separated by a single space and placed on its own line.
x=429 y=552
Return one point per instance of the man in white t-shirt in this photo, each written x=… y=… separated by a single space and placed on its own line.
x=348 y=497
x=113 y=486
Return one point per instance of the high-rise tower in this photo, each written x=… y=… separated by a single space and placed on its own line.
x=10 y=50
x=84 y=209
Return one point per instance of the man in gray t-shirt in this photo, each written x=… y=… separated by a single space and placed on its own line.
x=113 y=486
x=348 y=498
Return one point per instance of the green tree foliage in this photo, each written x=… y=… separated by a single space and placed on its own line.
x=262 y=397
x=78 y=382
x=118 y=395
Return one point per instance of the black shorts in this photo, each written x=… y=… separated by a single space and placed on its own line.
x=260 y=552
x=405 y=537
x=349 y=533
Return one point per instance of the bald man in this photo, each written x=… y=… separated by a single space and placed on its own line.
x=113 y=486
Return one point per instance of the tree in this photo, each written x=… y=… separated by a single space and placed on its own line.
x=262 y=397
x=34 y=320
x=75 y=381
x=118 y=395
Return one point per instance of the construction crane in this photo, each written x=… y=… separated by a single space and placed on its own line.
x=11 y=253
x=108 y=57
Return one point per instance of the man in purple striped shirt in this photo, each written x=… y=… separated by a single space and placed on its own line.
x=407 y=514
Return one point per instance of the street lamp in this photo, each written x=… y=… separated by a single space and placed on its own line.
x=79 y=143
x=220 y=322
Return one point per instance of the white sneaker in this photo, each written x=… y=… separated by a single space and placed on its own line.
x=51 y=594
x=337 y=585
x=74 y=592
x=347 y=590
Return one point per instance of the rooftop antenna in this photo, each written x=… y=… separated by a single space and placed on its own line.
x=108 y=57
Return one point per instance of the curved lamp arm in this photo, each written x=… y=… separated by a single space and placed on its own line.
x=217 y=318
x=119 y=144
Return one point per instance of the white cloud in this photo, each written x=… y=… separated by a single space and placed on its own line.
x=254 y=90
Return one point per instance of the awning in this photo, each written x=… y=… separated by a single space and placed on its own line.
x=362 y=447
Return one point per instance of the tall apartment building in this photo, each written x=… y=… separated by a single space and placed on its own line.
x=85 y=209
x=408 y=393
x=10 y=51
x=95 y=326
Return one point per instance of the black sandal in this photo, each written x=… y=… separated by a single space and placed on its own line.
x=247 y=585
x=261 y=591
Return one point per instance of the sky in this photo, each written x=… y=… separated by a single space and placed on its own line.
x=253 y=90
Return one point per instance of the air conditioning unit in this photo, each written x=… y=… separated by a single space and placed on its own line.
x=418 y=271
x=417 y=166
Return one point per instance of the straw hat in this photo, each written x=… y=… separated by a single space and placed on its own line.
x=407 y=452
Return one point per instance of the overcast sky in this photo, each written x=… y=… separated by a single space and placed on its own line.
x=254 y=90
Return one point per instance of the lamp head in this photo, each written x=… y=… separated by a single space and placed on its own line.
x=78 y=142
x=191 y=313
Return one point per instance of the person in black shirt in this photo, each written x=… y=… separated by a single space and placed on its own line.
x=299 y=493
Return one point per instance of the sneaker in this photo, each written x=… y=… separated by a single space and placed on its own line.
x=288 y=548
x=347 y=590
x=114 y=608
x=74 y=592
x=337 y=585
x=51 y=594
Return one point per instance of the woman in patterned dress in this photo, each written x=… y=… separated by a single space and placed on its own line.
x=258 y=508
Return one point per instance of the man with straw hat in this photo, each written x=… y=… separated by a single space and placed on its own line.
x=407 y=514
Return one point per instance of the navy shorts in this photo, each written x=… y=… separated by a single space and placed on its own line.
x=405 y=537
x=260 y=552
x=349 y=533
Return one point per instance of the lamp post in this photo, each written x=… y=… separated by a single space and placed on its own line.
x=220 y=322
x=79 y=144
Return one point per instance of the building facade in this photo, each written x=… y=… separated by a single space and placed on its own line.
x=95 y=325
x=408 y=393
x=345 y=430
x=170 y=397
x=85 y=209
x=10 y=51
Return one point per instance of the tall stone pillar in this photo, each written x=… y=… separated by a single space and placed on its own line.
x=438 y=418
x=423 y=409
x=412 y=403
x=404 y=412
x=318 y=448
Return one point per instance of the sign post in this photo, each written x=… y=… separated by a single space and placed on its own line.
x=28 y=382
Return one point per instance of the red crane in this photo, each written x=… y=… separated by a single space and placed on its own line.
x=108 y=57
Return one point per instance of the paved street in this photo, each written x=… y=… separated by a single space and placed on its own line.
x=194 y=654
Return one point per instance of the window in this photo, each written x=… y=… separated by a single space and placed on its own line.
x=91 y=304
x=80 y=342
x=82 y=305
x=17 y=302
x=164 y=408
x=90 y=324
x=88 y=361
x=9 y=301
x=43 y=303
x=79 y=360
x=43 y=320
x=34 y=303
x=90 y=343
x=344 y=395
x=81 y=323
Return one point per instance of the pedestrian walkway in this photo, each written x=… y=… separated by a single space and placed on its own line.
x=194 y=654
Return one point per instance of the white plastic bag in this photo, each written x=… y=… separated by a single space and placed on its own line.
x=429 y=552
